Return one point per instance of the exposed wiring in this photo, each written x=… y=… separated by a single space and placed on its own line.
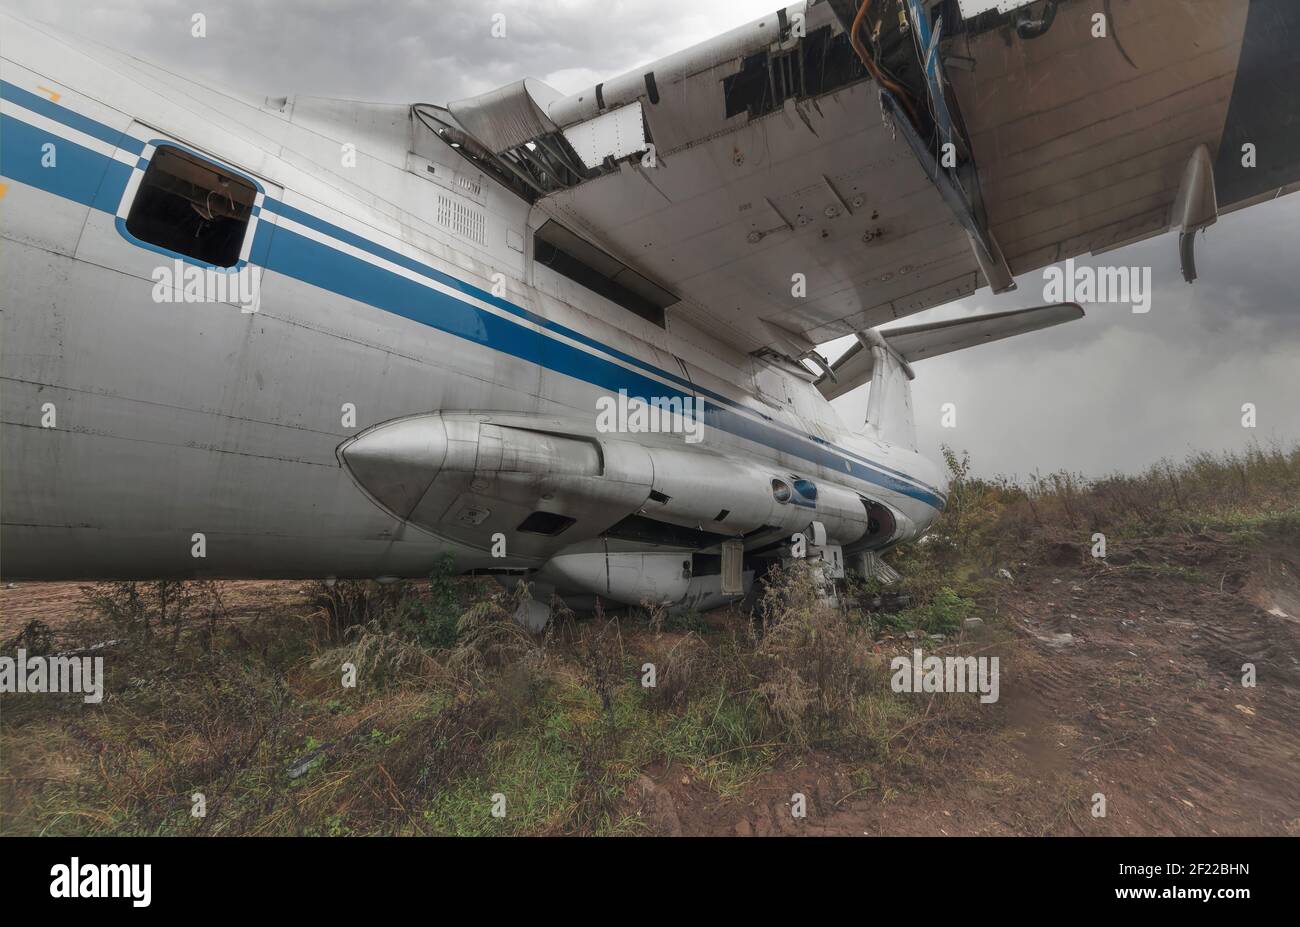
x=876 y=72
x=955 y=132
x=205 y=212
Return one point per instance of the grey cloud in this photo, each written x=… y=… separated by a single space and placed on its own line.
x=426 y=50
x=1119 y=390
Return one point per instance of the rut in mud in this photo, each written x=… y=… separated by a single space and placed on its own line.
x=1120 y=677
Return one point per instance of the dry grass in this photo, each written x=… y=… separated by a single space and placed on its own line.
x=456 y=703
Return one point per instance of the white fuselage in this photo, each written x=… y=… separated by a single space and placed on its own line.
x=392 y=279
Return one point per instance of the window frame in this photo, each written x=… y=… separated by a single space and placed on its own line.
x=133 y=185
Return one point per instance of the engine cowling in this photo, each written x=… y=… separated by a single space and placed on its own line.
x=547 y=485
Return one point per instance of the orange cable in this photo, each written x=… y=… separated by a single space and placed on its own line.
x=871 y=66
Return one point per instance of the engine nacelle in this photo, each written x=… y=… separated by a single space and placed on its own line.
x=547 y=485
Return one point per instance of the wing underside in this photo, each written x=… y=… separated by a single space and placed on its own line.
x=782 y=188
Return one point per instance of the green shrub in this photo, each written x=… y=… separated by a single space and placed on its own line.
x=943 y=614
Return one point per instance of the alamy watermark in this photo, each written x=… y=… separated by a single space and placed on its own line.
x=76 y=879
x=188 y=283
x=624 y=414
x=919 y=673
x=53 y=674
x=1105 y=284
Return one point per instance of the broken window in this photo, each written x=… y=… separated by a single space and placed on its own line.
x=192 y=207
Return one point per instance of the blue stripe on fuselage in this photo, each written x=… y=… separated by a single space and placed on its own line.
x=401 y=260
x=77 y=173
x=99 y=181
x=92 y=127
x=351 y=238
x=318 y=264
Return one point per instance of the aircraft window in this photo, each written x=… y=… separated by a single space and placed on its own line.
x=193 y=207
x=805 y=488
x=547 y=523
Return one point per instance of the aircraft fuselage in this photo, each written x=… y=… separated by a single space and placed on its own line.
x=379 y=279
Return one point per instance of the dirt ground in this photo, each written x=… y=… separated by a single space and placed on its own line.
x=61 y=605
x=1121 y=677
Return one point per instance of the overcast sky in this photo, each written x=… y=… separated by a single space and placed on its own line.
x=1115 y=391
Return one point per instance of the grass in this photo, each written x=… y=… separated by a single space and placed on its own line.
x=1258 y=485
x=943 y=614
x=1246 y=497
x=255 y=719
x=455 y=704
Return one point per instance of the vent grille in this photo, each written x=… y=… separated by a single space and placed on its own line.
x=465 y=221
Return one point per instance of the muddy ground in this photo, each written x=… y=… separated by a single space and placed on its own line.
x=1120 y=677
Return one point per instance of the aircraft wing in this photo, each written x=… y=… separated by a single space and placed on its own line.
x=778 y=187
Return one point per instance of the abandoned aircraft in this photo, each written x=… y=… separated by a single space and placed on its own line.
x=573 y=339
